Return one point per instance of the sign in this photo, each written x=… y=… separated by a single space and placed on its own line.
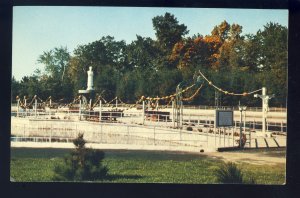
x=224 y=118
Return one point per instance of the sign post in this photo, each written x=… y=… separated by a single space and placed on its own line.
x=241 y=109
x=223 y=118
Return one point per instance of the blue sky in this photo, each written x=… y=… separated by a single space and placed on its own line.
x=38 y=29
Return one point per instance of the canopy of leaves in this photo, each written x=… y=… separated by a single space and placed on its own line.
x=154 y=67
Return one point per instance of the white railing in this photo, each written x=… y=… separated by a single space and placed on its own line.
x=152 y=119
x=109 y=133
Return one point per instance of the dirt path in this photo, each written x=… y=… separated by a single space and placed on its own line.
x=257 y=158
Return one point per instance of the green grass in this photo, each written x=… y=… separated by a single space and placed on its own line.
x=140 y=167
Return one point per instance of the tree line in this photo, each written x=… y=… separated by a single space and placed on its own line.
x=154 y=67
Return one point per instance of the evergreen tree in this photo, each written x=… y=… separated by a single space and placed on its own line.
x=82 y=164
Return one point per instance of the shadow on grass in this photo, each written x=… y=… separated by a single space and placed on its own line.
x=122 y=177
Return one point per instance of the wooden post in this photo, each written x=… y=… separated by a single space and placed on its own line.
x=100 y=110
x=143 y=113
x=154 y=135
x=173 y=113
x=127 y=134
x=166 y=119
x=116 y=102
x=51 y=134
x=25 y=104
x=35 y=107
x=18 y=107
x=80 y=109
x=181 y=113
x=245 y=121
x=233 y=136
x=224 y=135
x=101 y=134
x=240 y=144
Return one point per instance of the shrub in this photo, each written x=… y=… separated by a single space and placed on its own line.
x=229 y=173
x=81 y=164
x=189 y=128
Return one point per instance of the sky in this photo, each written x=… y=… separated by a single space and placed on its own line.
x=39 y=29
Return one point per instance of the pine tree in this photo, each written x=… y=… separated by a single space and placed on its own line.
x=82 y=164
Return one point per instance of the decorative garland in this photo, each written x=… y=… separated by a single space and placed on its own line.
x=226 y=92
x=194 y=95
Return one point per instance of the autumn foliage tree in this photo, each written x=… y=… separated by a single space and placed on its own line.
x=153 y=67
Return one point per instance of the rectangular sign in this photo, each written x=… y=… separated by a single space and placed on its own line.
x=224 y=118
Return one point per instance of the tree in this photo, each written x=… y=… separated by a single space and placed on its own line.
x=103 y=55
x=15 y=88
x=30 y=86
x=55 y=81
x=56 y=62
x=142 y=54
x=196 y=51
x=273 y=60
x=221 y=31
x=82 y=164
x=231 y=51
x=168 y=31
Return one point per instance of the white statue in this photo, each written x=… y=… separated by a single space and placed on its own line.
x=90 y=82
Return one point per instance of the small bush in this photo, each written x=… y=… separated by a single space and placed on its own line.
x=82 y=164
x=189 y=128
x=229 y=173
x=200 y=130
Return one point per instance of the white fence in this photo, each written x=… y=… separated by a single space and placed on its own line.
x=109 y=133
x=276 y=121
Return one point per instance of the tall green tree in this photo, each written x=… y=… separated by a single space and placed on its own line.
x=15 y=89
x=106 y=56
x=168 y=31
x=273 y=60
x=56 y=62
x=142 y=54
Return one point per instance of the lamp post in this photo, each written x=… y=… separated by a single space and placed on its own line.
x=241 y=109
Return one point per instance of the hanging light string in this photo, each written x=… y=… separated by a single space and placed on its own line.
x=169 y=98
x=107 y=104
x=76 y=99
x=143 y=98
x=226 y=92
x=194 y=95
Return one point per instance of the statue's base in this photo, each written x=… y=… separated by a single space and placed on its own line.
x=85 y=91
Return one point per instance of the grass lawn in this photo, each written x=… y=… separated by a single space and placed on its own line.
x=139 y=167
